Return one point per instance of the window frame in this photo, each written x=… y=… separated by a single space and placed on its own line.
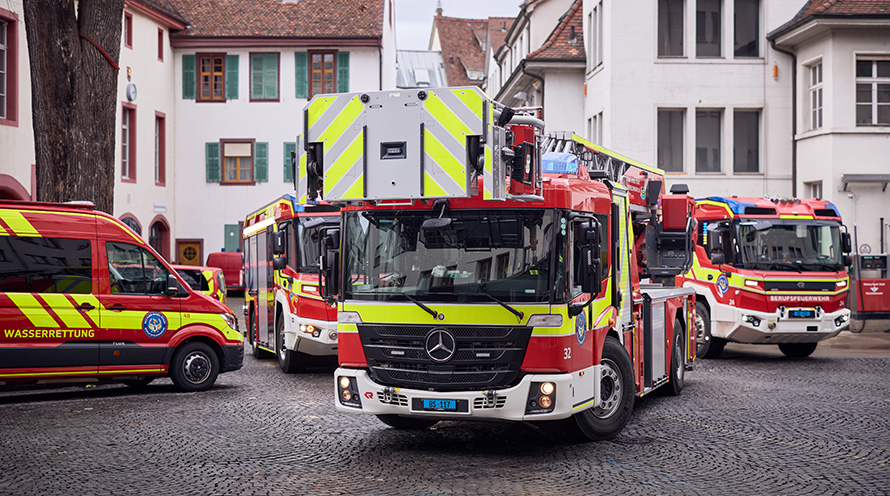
x=310 y=70
x=128 y=140
x=757 y=37
x=719 y=34
x=160 y=139
x=9 y=112
x=874 y=81
x=277 y=97
x=814 y=89
x=222 y=165
x=682 y=139
x=658 y=32
x=758 y=136
x=720 y=131
x=128 y=30
x=160 y=44
x=199 y=73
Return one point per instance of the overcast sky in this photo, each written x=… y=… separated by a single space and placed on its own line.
x=414 y=18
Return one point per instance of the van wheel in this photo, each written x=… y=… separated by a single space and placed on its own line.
x=677 y=377
x=705 y=345
x=797 y=350
x=289 y=361
x=195 y=367
x=616 y=391
x=406 y=423
x=139 y=383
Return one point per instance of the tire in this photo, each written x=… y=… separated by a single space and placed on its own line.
x=194 y=367
x=616 y=395
x=706 y=346
x=289 y=361
x=677 y=377
x=797 y=350
x=406 y=423
x=139 y=383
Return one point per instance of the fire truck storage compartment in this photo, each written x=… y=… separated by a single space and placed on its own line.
x=655 y=320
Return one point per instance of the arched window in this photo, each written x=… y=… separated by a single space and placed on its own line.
x=132 y=224
x=159 y=236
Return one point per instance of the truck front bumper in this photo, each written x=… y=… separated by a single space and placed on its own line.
x=771 y=328
x=573 y=392
x=299 y=338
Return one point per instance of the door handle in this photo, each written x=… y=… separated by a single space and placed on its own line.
x=85 y=307
x=117 y=308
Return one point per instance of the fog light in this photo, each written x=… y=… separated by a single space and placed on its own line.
x=333 y=335
x=772 y=325
x=346 y=395
x=547 y=388
x=316 y=333
x=545 y=401
x=344 y=382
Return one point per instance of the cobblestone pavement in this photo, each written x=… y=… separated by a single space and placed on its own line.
x=748 y=423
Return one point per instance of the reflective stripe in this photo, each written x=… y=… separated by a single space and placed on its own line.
x=349 y=115
x=63 y=307
x=17 y=223
x=346 y=169
x=447 y=118
x=444 y=165
x=32 y=309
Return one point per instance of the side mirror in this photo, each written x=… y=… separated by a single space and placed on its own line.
x=846 y=243
x=331 y=241
x=848 y=261
x=591 y=270
x=330 y=262
x=279 y=263
x=717 y=259
x=278 y=247
x=172 y=285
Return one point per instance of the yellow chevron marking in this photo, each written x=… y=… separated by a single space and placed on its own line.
x=65 y=310
x=431 y=187
x=318 y=108
x=448 y=119
x=344 y=162
x=472 y=100
x=33 y=309
x=17 y=223
x=341 y=123
x=448 y=162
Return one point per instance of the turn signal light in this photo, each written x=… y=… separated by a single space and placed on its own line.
x=346 y=395
x=545 y=402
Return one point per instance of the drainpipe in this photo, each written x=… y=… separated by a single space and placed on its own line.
x=793 y=115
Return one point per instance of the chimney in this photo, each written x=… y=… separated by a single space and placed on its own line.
x=439 y=8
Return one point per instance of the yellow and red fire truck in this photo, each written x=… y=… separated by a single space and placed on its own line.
x=286 y=314
x=485 y=270
x=769 y=271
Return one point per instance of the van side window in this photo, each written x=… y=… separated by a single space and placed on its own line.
x=45 y=265
x=133 y=270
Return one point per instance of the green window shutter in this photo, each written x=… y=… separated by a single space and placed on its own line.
x=301 y=62
x=211 y=160
x=231 y=77
x=288 y=168
x=261 y=162
x=342 y=72
x=189 y=79
x=270 y=76
x=256 y=76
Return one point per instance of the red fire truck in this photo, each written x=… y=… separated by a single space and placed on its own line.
x=286 y=314
x=768 y=271
x=485 y=270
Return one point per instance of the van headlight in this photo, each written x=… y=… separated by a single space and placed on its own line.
x=230 y=319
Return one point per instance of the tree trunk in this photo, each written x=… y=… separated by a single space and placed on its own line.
x=74 y=95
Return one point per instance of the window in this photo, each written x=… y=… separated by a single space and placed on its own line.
x=211 y=78
x=128 y=143
x=160 y=44
x=158 y=236
x=133 y=270
x=747 y=28
x=670 y=28
x=595 y=128
x=195 y=279
x=160 y=148
x=670 y=140
x=873 y=92
x=746 y=141
x=132 y=224
x=238 y=162
x=128 y=30
x=264 y=76
x=45 y=265
x=816 y=96
x=707 y=140
x=595 y=21
x=708 y=15
x=8 y=68
x=323 y=73
x=814 y=189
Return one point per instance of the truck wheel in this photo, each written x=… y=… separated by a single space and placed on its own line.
x=194 y=367
x=677 y=377
x=797 y=350
x=616 y=395
x=705 y=345
x=289 y=361
x=406 y=423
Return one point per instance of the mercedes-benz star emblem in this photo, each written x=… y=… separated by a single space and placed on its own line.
x=801 y=284
x=440 y=345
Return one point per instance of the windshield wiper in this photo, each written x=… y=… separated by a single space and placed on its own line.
x=427 y=309
x=787 y=265
x=512 y=310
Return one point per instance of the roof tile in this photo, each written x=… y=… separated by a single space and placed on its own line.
x=566 y=42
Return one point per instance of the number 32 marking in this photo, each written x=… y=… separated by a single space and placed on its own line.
x=567 y=353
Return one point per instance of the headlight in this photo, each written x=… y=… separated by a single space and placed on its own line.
x=545 y=320
x=349 y=317
x=230 y=319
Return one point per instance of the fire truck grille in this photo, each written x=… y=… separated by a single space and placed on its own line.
x=799 y=285
x=484 y=357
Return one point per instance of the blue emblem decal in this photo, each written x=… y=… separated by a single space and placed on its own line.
x=580 y=329
x=154 y=324
x=722 y=284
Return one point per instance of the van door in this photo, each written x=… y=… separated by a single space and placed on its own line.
x=49 y=316
x=138 y=318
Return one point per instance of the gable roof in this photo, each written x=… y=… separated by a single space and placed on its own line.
x=566 y=42
x=498 y=27
x=844 y=9
x=279 y=18
x=462 y=42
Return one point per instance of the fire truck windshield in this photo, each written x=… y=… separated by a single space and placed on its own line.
x=506 y=254
x=774 y=244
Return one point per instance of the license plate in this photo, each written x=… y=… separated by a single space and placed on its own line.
x=440 y=405
x=802 y=314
